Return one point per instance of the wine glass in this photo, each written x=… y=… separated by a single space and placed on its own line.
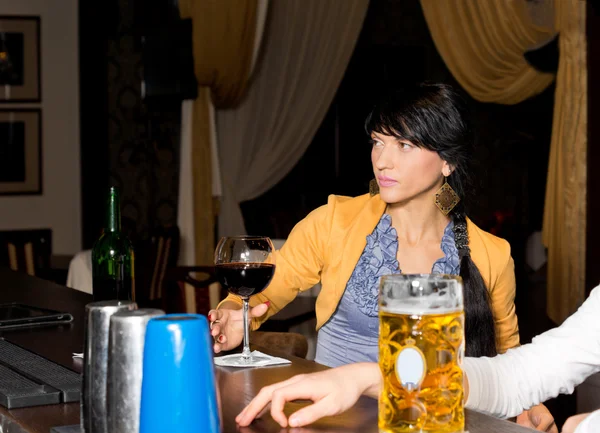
x=244 y=265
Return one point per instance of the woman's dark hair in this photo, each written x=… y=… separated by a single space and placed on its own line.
x=435 y=117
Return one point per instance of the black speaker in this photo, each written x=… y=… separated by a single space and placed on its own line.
x=169 y=62
x=167 y=55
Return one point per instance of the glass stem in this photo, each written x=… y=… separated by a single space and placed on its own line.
x=246 y=355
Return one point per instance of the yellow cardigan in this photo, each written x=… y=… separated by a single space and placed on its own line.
x=326 y=245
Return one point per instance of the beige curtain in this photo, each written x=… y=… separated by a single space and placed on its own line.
x=482 y=42
x=565 y=208
x=223 y=43
x=305 y=52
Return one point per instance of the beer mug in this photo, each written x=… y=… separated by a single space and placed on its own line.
x=421 y=348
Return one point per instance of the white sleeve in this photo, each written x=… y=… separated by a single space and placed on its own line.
x=591 y=424
x=554 y=363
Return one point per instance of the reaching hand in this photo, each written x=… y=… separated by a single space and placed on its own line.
x=538 y=418
x=332 y=391
x=227 y=326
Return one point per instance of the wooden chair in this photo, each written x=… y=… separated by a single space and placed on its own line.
x=26 y=251
x=152 y=260
x=188 y=290
x=287 y=343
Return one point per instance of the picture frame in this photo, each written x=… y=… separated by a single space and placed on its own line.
x=20 y=59
x=20 y=152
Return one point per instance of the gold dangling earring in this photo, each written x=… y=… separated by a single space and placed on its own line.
x=373 y=187
x=446 y=198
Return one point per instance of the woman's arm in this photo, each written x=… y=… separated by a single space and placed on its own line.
x=554 y=363
x=298 y=267
x=298 y=264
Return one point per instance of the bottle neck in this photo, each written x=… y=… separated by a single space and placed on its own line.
x=113 y=213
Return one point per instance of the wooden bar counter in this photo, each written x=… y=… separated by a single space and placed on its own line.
x=237 y=386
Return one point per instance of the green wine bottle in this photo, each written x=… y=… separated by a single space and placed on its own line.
x=112 y=258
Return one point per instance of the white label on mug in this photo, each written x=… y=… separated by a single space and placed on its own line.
x=410 y=367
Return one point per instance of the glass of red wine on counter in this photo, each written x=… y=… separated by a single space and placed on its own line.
x=245 y=265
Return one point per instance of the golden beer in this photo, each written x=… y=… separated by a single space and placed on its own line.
x=421 y=348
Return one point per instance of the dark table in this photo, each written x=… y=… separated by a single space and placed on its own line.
x=237 y=386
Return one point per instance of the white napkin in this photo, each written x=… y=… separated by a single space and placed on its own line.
x=77 y=355
x=266 y=360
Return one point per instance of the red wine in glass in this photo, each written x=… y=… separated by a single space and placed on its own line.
x=245 y=279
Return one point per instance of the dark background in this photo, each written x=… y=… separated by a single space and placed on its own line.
x=11 y=69
x=12 y=151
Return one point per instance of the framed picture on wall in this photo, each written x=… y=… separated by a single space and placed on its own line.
x=20 y=69
x=20 y=152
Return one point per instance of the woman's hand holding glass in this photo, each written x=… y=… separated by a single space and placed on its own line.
x=227 y=325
